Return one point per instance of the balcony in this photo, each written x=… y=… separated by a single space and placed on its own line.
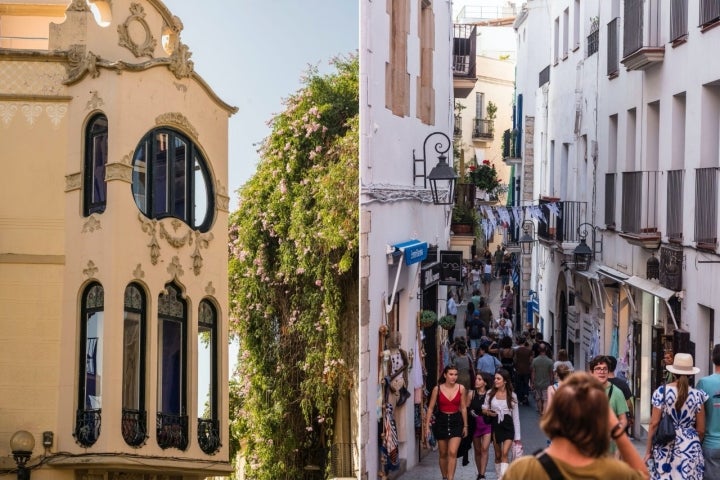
x=457 y=127
x=675 y=206
x=642 y=45
x=613 y=48
x=561 y=230
x=678 y=21
x=639 y=213
x=483 y=129
x=706 y=199
x=464 y=48
x=511 y=147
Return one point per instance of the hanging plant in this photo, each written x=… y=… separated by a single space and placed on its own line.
x=485 y=176
x=427 y=318
x=447 y=322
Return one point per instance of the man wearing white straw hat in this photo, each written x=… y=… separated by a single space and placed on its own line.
x=681 y=457
x=711 y=442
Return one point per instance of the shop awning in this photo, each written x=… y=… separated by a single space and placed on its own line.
x=593 y=280
x=414 y=251
x=654 y=289
x=612 y=274
x=650 y=287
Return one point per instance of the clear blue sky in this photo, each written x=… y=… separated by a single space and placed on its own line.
x=253 y=54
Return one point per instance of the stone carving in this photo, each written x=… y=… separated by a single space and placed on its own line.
x=180 y=87
x=180 y=64
x=118 y=171
x=176 y=242
x=91 y=224
x=78 y=6
x=175 y=269
x=149 y=226
x=202 y=240
x=91 y=269
x=209 y=289
x=179 y=120
x=146 y=46
x=81 y=64
x=127 y=159
x=73 y=181
x=222 y=202
x=95 y=101
x=138 y=272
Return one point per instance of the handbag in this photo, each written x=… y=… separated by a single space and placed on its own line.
x=665 y=432
x=517 y=450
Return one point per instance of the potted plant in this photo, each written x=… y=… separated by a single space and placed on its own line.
x=447 y=322
x=463 y=219
x=427 y=318
x=485 y=176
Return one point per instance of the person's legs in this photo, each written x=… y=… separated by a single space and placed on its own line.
x=484 y=452
x=443 y=456
x=453 y=445
x=712 y=462
x=477 y=446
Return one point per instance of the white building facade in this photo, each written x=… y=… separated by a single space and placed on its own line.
x=406 y=125
x=627 y=150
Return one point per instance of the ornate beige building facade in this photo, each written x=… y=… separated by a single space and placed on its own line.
x=113 y=245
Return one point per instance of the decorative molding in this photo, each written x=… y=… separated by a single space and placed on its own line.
x=73 y=181
x=118 y=171
x=7 y=112
x=31 y=112
x=91 y=270
x=147 y=48
x=80 y=64
x=179 y=120
x=202 y=240
x=180 y=87
x=175 y=242
x=149 y=226
x=180 y=64
x=176 y=224
x=56 y=113
x=95 y=101
x=209 y=289
x=222 y=202
x=127 y=159
x=78 y=6
x=175 y=268
x=138 y=272
x=92 y=224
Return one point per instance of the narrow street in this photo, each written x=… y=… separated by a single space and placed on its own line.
x=533 y=438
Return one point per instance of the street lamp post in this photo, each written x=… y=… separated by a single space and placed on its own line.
x=527 y=242
x=21 y=445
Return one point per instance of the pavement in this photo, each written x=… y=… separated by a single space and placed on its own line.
x=533 y=438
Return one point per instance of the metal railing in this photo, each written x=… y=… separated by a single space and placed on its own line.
x=172 y=431
x=483 y=128
x=613 y=49
x=593 y=41
x=134 y=427
x=639 y=201
x=562 y=228
x=87 y=426
x=464 y=45
x=706 y=199
x=675 y=205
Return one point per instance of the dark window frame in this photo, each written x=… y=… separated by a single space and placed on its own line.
x=94 y=184
x=134 y=418
x=166 y=187
x=87 y=419
x=209 y=426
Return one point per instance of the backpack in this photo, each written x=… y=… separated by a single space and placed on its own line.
x=474 y=331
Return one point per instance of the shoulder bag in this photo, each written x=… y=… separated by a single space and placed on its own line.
x=665 y=432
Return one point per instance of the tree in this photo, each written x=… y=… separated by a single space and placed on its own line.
x=294 y=279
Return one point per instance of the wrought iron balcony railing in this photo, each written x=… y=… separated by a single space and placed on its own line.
x=639 y=221
x=642 y=44
x=561 y=228
x=483 y=129
x=209 y=435
x=675 y=205
x=613 y=48
x=464 y=45
x=172 y=431
x=134 y=427
x=706 y=206
x=87 y=427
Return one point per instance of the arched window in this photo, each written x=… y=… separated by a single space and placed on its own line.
x=171 y=179
x=87 y=419
x=172 y=419
x=134 y=416
x=208 y=424
x=96 y=154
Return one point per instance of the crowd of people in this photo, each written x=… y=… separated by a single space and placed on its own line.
x=587 y=416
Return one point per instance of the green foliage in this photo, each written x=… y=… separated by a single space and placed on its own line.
x=427 y=318
x=293 y=278
x=447 y=322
